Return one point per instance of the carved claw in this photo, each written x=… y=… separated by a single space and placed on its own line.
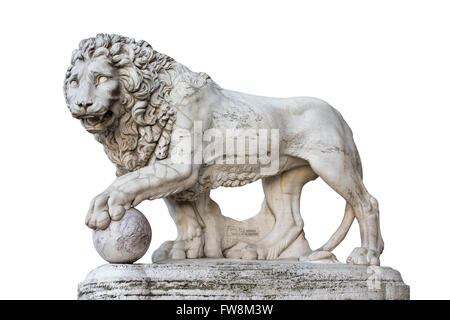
x=98 y=216
x=107 y=206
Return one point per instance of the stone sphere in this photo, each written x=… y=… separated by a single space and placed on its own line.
x=126 y=240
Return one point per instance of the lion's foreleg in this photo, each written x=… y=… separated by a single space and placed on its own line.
x=190 y=240
x=155 y=181
x=214 y=225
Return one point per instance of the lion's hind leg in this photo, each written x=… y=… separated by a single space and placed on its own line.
x=283 y=199
x=340 y=169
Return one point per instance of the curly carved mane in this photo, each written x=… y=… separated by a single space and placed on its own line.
x=143 y=130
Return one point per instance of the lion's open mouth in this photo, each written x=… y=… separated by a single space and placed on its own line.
x=98 y=122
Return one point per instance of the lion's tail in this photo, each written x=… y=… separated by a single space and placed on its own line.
x=341 y=232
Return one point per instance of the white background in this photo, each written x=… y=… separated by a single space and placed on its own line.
x=385 y=65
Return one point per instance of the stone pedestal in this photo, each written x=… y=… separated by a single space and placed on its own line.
x=242 y=279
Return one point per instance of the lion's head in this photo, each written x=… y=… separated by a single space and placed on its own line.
x=116 y=87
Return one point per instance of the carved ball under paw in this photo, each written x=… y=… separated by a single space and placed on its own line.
x=363 y=256
x=126 y=240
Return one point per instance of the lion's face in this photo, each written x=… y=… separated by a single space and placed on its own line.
x=93 y=92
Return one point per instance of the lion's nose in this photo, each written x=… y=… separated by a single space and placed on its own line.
x=84 y=104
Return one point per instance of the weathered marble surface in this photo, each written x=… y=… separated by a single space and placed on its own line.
x=242 y=279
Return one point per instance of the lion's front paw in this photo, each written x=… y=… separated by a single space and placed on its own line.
x=188 y=246
x=98 y=214
x=187 y=249
x=364 y=256
x=107 y=206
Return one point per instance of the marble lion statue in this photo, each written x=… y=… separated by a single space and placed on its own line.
x=145 y=108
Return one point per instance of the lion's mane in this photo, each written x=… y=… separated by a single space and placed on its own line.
x=144 y=127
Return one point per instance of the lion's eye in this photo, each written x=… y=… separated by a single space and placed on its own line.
x=74 y=83
x=101 y=79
